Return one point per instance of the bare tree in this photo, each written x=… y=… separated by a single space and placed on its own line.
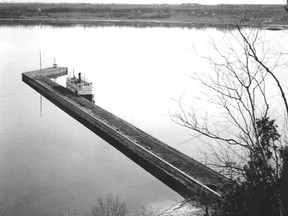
x=242 y=137
x=4 y=207
x=146 y=211
x=109 y=206
x=68 y=212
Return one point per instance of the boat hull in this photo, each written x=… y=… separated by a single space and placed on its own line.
x=88 y=97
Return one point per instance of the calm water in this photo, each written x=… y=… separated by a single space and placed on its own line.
x=52 y=162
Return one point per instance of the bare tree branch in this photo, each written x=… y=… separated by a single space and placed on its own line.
x=240 y=136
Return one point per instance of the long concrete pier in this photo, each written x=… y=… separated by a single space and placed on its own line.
x=183 y=174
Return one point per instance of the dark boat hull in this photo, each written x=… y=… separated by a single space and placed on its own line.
x=88 y=97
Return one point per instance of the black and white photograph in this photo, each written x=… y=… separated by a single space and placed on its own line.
x=143 y=108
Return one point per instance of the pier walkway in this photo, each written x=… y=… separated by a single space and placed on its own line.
x=183 y=174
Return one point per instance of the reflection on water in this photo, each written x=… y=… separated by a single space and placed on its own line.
x=113 y=23
x=52 y=162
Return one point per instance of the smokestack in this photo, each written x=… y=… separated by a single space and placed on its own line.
x=79 y=74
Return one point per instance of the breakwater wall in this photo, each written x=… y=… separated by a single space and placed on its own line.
x=181 y=173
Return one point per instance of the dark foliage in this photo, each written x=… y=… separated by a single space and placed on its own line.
x=283 y=182
x=261 y=193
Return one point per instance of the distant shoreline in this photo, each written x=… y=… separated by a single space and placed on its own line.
x=185 y=15
x=132 y=23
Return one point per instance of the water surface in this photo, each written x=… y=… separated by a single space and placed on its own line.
x=52 y=162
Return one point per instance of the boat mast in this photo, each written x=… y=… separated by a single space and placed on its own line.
x=40 y=94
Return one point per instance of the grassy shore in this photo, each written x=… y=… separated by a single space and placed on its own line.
x=184 y=15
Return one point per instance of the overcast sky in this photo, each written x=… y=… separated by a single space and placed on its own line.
x=163 y=1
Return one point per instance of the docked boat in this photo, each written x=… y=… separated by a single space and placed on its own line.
x=80 y=87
